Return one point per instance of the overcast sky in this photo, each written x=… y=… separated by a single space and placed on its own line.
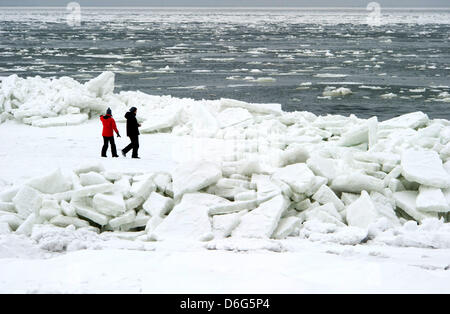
x=310 y=3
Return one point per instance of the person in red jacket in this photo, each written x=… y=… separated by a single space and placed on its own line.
x=109 y=125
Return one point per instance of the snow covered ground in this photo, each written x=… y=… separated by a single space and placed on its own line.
x=307 y=268
x=91 y=263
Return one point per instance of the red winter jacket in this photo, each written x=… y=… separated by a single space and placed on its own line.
x=108 y=125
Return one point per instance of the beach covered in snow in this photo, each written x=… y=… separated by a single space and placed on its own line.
x=241 y=176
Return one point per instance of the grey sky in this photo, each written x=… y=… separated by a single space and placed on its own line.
x=280 y=3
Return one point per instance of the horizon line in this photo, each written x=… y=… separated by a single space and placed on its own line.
x=219 y=6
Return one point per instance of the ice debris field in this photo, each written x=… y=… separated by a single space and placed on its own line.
x=274 y=175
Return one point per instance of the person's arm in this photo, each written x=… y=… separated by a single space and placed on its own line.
x=115 y=127
x=137 y=123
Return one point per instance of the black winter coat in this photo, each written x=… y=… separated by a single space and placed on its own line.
x=132 y=124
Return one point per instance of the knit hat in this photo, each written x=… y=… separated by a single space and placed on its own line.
x=133 y=109
x=108 y=111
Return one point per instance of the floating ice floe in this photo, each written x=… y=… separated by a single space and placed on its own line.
x=335 y=92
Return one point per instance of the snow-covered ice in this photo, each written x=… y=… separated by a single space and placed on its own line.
x=308 y=193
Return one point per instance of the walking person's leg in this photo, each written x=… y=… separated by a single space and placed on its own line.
x=128 y=147
x=113 y=147
x=105 y=146
x=135 y=141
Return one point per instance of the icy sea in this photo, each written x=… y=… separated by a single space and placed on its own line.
x=266 y=55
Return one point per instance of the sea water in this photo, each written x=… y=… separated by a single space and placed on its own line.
x=264 y=55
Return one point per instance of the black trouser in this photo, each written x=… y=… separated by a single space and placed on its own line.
x=133 y=145
x=106 y=140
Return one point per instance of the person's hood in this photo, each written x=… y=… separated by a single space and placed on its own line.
x=106 y=116
x=129 y=115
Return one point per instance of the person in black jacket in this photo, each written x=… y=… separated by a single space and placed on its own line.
x=132 y=133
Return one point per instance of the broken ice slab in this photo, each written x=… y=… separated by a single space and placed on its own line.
x=424 y=167
x=94 y=189
x=406 y=200
x=143 y=188
x=91 y=178
x=65 y=120
x=411 y=120
x=362 y=212
x=53 y=182
x=223 y=225
x=158 y=205
x=262 y=221
x=90 y=213
x=298 y=176
x=27 y=200
x=126 y=218
x=109 y=204
x=232 y=207
x=326 y=195
x=88 y=167
x=194 y=176
x=431 y=200
x=356 y=182
x=285 y=227
x=189 y=219
x=64 y=221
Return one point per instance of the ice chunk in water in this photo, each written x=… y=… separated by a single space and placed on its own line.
x=256 y=108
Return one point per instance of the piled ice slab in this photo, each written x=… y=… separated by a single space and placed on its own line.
x=279 y=174
x=290 y=202
x=45 y=102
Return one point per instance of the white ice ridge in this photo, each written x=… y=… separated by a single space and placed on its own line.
x=286 y=174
